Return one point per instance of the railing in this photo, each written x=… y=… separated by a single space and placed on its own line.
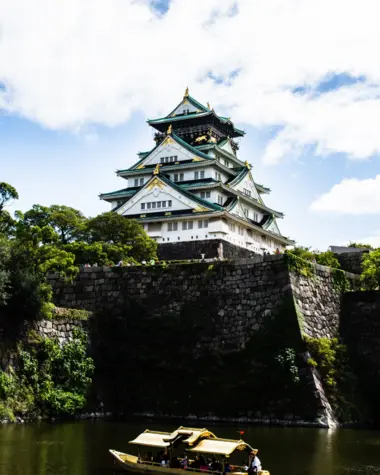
x=234 y=468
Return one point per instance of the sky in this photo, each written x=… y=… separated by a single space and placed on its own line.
x=79 y=79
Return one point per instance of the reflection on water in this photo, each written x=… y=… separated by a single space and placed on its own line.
x=81 y=448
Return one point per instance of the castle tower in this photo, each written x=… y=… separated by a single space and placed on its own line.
x=191 y=186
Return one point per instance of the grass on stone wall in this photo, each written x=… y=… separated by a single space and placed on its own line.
x=330 y=358
x=50 y=380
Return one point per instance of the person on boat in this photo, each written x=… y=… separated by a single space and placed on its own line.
x=216 y=466
x=184 y=461
x=255 y=464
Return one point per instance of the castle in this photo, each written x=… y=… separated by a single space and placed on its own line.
x=193 y=187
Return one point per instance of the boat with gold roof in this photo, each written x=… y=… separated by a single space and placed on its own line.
x=189 y=442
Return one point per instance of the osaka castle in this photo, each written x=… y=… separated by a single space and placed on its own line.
x=191 y=188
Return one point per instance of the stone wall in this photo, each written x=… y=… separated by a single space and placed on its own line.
x=360 y=328
x=318 y=300
x=351 y=261
x=204 y=323
x=211 y=248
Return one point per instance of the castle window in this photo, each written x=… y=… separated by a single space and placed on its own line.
x=187 y=225
x=178 y=176
x=154 y=205
x=136 y=182
x=241 y=231
x=205 y=194
x=196 y=175
x=247 y=192
x=220 y=200
x=217 y=176
x=231 y=227
x=142 y=205
x=169 y=204
x=149 y=205
x=203 y=223
x=141 y=181
x=159 y=204
x=246 y=212
x=255 y=217
x=172 y=226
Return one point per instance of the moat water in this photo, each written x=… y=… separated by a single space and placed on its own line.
x=81 y=448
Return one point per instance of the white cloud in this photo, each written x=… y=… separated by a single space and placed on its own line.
x=351 y=196
x=69 y=63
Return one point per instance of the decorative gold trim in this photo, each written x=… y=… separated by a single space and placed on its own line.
x=156 y=171
x=200 y=209
x=156 y=182
x=168 y=213
x=140 y=167
x=186 y=92
x=170 y=129
x=185 y=101
x=247 y=165
x=142 y=215
x=208 y=106
x=198 y=159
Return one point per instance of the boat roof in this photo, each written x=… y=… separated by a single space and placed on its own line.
x=153 y=439
x=221 y=446
x=164 y=439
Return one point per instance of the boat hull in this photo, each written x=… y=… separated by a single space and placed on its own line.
x=130 y=463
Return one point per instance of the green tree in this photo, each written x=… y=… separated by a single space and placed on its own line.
x=7 y=194
x=68 y=223
x=113 y=228
x=370 y=276
x=4 y=270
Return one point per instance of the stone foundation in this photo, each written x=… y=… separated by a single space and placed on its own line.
x=211 y=248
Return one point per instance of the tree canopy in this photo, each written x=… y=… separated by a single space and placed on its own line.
x=326 y=258
x=7 y=194
x=58 y=239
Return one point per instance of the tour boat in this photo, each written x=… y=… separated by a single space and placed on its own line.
x=196 y=442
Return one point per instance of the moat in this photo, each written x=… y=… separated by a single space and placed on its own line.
x=81 y=448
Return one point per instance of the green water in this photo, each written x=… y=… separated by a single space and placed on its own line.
x=81 y=448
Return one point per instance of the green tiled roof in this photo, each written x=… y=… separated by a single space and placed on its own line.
x=168 y=120
x=189 y=195
x=123 y=192
x=240 y=177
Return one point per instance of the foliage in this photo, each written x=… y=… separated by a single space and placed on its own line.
x=359 y=245
x=330 y=358
x=51 y=380
x=370 y=277
x=4 y=271
x=326 y=258
x=7 y=194
x=71 y=313
x=299 y=265
x=113 y=228
x=340 y=281
x=287 y=360
x=101 y=253
x=68 y=223
x=57 y=239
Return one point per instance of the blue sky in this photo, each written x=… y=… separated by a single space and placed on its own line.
x=75 y=100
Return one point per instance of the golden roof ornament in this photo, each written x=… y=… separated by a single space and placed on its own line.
x=247 y=165
x=208 y=106
x=156 y=171
x=170 y=130
x=186 y=92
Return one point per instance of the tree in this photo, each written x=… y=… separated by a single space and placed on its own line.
x=370 y=276
x=113 y=228
x=68 y=223
x=4 y=270
x=7 y=193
